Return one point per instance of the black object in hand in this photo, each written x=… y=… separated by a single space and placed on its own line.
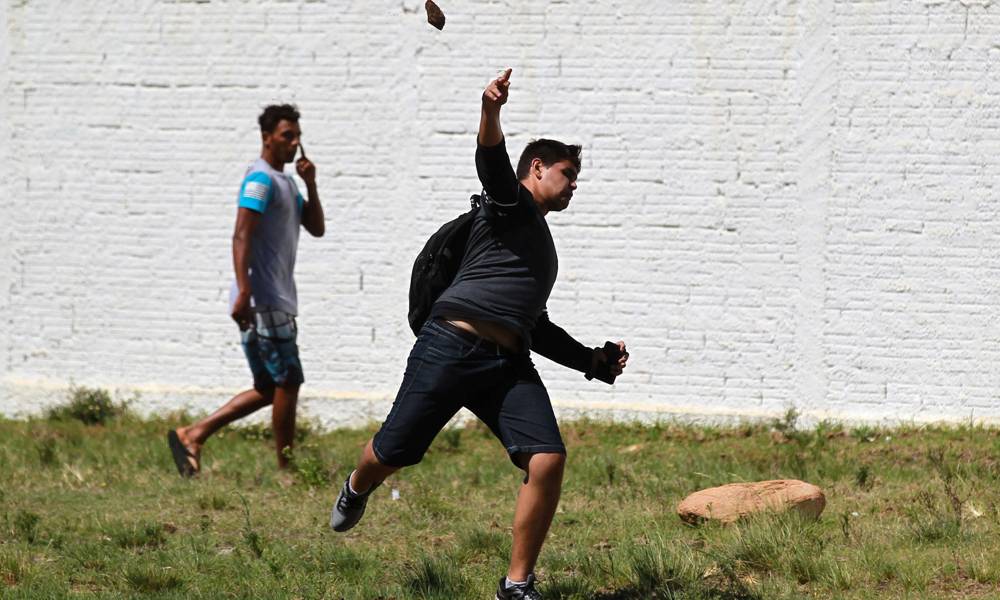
x=603 y=370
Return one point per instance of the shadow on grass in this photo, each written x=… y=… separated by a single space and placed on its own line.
x=667 y=593
x=661 y=591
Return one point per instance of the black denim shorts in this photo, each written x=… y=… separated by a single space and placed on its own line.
x=448 y=369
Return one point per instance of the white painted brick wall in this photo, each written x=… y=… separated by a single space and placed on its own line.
x=6 y=202
x=782 y=204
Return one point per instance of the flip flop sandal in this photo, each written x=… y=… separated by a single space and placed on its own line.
x=181 y=455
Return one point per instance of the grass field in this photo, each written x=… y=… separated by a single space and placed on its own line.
x=97 y=510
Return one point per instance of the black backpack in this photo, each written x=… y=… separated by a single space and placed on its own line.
x=437 y=264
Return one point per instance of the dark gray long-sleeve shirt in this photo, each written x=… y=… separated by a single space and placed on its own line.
x=510 y=265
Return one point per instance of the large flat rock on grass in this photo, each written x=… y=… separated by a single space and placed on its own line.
x=727 y=503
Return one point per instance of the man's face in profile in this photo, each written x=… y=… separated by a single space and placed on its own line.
x=283 y=142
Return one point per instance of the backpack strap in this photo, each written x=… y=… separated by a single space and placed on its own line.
x=493 y=209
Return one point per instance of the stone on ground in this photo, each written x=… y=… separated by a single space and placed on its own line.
x=728 y=503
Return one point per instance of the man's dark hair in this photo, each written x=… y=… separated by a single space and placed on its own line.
x=274 y=113
x=549 y=152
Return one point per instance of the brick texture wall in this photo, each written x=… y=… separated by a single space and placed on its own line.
x=6 y=206
x=781 y=204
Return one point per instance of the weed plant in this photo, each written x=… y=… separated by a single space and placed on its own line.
x=90 y=406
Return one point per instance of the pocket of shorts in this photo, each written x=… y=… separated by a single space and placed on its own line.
x=442 y=351
x=452 y=349
x=275 y=325
x=248 y=336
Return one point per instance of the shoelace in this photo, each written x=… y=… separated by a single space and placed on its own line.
x=529 y=592
x=347 y=501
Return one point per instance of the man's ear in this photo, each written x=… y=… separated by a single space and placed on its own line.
x=536 y=167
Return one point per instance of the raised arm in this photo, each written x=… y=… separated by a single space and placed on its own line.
x=312 y=211
x=494 y=97
x=492 y=161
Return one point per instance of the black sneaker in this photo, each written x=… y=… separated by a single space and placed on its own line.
x=526 y=591
x=349 y=507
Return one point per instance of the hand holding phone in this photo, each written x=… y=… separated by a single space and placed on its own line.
x=602 y=371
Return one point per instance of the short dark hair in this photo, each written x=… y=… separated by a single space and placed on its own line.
x=549 y=152
x=275 y=113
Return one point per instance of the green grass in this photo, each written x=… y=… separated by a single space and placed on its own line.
x=97 y=510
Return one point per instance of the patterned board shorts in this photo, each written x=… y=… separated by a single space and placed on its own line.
x=271 y=350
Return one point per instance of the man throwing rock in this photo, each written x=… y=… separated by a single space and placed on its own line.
x=473 y=352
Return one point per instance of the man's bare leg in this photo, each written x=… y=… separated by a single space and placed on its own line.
x=536 y=505
x=283 y=422
x=369 y=471
x=246 y=402
x=353 y=498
